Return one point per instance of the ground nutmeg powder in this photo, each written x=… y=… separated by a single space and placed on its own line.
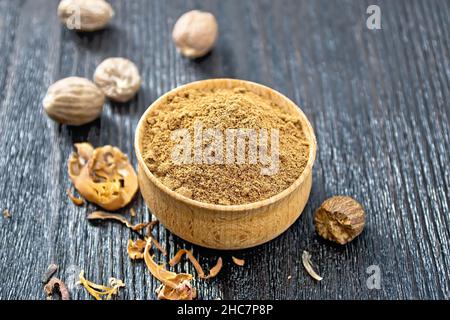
x=188 y=118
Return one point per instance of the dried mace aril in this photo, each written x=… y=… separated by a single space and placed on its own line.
x=238 y=262
x=100 y=215
x=136 y=249
x=103 y=175
x=175 y=286
x=340 y=219
x=100 y=292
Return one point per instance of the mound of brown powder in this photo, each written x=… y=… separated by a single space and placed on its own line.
x=219 y=179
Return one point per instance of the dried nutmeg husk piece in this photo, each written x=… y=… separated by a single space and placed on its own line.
x=340 y=219
x=56 y=285
x=157 y=245
x=103 y=175
x=176 y=259
x=100 y=215
x=6 y=214
x=212 y=273
x=307 y=264
x=51 y=270
x=175 y=286
x=185 y=287
x=136 y=249
x=100 y=292
x=238 y=262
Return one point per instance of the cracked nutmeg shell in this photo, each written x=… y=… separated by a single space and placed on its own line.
x=340 y=219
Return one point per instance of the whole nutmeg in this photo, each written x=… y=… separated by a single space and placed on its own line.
x=85 y=15
x=74 y=101
x=118 y=78
x=195 y=33
x=340 y=219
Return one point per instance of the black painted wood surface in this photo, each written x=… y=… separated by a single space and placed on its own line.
x=378 y=100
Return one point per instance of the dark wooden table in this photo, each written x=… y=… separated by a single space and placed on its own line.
x=378 y=100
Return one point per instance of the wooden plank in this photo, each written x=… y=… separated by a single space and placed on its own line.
x=378 y=100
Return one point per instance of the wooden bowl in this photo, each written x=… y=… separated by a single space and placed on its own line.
x=226 y=226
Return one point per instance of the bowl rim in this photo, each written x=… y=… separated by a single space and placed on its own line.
x=217 y=207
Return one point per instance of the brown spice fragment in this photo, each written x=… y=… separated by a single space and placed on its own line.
x=306 y=260
x=339 y=219
x=212 y=273
x=101 y=215
x=133 y=212
x=6 y=214
x=136 y=249
x=100 y=292
x=175 y=286
x=239 y=262
x=184 y=291
x=56 y=285
x=223 y=109
x=77 y=201
x=176 y=259
x=158 y=245
x=151 y=226
x=51 y=270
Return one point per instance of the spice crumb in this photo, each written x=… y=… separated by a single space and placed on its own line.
x=151 y=226
x=239 y=262
x=306 y=259
x=51 y=270
x=133 y=212
x=6 y=214
x=56 y=285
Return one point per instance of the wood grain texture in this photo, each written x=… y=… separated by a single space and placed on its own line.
x=378 y=102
